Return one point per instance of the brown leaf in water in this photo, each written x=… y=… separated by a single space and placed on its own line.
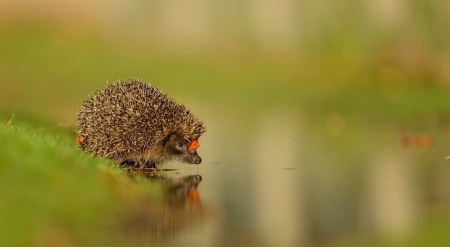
x=418 y=141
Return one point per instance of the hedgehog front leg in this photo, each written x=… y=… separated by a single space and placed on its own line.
x=127 y=163
x=139 y=164
x=147 y=165
x=150 y=164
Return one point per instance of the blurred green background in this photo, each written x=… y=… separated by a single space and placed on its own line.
x=358 y=75
x=388 y=56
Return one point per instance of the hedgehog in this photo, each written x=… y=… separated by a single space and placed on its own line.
x=132 y=122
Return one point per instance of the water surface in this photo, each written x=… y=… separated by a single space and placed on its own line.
x=281 y=179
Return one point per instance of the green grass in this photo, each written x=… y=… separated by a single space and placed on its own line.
x=52 y=194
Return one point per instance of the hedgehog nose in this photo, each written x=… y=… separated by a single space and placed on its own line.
x=197 y=160
x=197 y=179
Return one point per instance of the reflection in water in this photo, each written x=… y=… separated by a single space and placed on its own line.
x=159 y=221
x=295 y=183
x=279 y=213
x=392 y=201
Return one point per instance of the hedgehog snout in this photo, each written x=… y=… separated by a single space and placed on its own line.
x=176 y=146
x=193 y=158
x=197 y=160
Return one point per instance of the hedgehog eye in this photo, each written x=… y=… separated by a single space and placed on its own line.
x=179 y=144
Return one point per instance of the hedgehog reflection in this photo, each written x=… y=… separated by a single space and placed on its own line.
x=179 y=192
x=180 y=210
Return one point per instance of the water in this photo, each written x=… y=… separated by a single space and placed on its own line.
x=281 y=180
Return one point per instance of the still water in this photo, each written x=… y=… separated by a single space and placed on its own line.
x=281 y=180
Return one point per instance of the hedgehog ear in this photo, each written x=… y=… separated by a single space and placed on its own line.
x=167 y=138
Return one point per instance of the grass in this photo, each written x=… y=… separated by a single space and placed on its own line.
x=55 y=195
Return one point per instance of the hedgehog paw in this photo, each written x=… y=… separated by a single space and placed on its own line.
x=127 y=163
x=150 y=164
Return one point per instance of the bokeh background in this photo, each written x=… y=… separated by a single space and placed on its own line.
x=306 y=52
x=328 y=120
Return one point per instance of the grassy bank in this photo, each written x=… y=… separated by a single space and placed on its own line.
x=53 y=194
